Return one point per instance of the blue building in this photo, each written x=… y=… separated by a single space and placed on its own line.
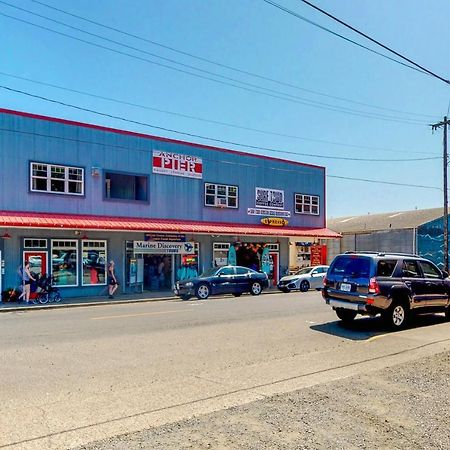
x=75 y=195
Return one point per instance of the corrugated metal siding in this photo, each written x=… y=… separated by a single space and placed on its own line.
x=170 y=196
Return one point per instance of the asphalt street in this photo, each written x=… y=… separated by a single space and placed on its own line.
x=73 y=376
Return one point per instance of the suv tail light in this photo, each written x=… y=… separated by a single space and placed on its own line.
x=325 y=280
x=374 y=287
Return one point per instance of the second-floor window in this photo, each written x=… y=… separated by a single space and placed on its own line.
x=56 y=179
x=120 y=186
x=307 y=204
x=221 y=195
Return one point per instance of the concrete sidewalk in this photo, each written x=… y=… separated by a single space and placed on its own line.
x=73 y=302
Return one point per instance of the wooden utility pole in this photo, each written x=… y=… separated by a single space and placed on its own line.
x=435 y=126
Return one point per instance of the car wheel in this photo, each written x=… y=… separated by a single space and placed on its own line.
x=185 y=297
x=237 y=294
x=202 y=292
x=346 y=315
x=304 y=286
x=255 y=288
x=396 y=317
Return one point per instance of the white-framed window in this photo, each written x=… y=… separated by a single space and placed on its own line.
x=34 y=243
x=307 y=204
x=93 y=253
x=220 y=253
x=56 y=179
x=65 y=261
x=221 y=195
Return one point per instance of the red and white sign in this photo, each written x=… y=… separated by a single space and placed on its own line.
x=168 y=163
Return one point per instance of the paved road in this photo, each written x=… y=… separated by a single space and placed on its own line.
x=77 y=375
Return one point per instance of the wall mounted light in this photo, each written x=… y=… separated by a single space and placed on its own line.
x=6 y=235
x=84 y=237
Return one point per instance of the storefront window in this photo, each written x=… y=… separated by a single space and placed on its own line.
x=94 y=262
x=65 y=262
x=220 y=254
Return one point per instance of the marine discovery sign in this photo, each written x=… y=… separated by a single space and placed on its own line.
x=164 y=248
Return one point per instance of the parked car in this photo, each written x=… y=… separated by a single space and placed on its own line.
x=303 y=280
x=393 y=285
x=222 y=280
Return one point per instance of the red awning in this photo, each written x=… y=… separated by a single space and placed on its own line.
x=16 y=219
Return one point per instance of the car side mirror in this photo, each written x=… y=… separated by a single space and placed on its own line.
x=444 y=274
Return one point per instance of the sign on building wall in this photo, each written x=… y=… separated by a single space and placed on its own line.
x=171 y=237
x=166 y=248
x=269 y=198
x=268 y=212
x=168 y=163
x=274 y=221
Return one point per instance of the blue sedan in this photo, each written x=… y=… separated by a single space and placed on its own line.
x=222 y=280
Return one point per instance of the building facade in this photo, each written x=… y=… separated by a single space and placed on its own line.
x=75 y=196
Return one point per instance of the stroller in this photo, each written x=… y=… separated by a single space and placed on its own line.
x=46 y=291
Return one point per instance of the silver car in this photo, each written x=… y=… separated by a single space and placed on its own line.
x=303 y=280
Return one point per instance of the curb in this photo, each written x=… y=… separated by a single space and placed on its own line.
x=101 y=303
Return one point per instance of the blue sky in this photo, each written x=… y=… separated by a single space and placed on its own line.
x=255 y=37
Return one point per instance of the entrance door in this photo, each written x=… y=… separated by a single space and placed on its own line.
x=274 y=268
x=38 y=266
x=37 y=260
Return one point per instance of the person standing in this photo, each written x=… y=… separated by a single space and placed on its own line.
x=112 y=280
x=27 y=278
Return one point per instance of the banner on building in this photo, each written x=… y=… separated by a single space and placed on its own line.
x=269 y=198
x=168 y=163
x=268 y=212
x=175 y=237
x=318 y=255
x=164 y=248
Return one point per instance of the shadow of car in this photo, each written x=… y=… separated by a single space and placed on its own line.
x=222 y=280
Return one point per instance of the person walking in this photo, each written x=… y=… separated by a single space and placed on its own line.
x=27 y=278
x=112 y=280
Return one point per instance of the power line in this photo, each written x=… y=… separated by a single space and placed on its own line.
x=206 y=137
x=123 y=102
x=385 y=182
x=144 y=150
x=293 y=13
x=225 y=66
x=279 y=95
x=376 y=42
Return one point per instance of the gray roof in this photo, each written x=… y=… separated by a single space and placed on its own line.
x=394 y=220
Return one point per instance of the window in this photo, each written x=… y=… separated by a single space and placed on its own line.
x=307 y=204
x=351 y=267
x=65 y=262
x=94 y=262
x=242 y=271
x=226 y=271
x=386 y=268
x=410 y=269
x=35 y=243
x=56 y=179
x=220 y=254
x=119 y=186
x=429 y=270
x=220 y=195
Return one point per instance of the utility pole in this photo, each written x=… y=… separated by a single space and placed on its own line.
x=434 y=127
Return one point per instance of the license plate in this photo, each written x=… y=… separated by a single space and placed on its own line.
x=346 y=287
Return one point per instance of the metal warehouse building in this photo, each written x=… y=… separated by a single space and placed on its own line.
x=417 y=231
x=76 y=195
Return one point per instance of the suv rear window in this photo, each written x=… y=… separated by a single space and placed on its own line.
x=351 y=266
x=385 y=267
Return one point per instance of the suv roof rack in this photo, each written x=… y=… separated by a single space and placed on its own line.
x=412 y=255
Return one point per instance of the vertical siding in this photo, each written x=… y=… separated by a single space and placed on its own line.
x=31 y=139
